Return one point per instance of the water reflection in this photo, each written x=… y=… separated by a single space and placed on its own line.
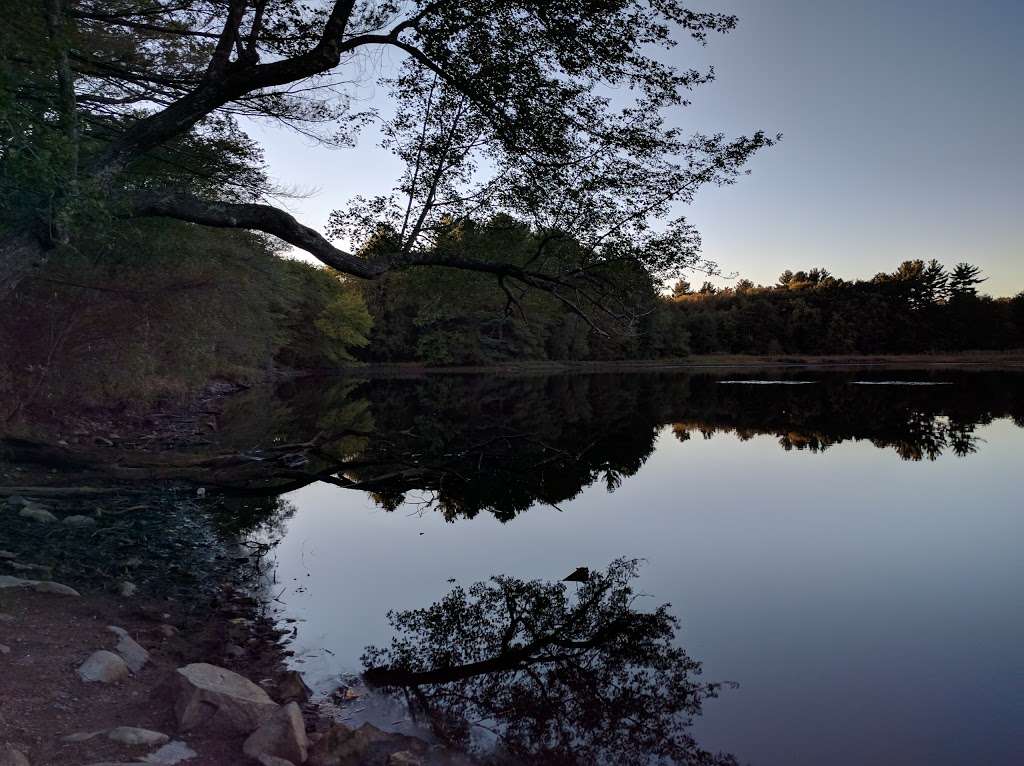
x=549 y=675
x=465 y=444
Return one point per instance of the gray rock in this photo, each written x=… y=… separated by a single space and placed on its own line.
x=273 y=760
x=37 y=513
x=343 y=746
x=292 y=688
x=103 y=667
x=45 y=586
x=127 y=589
x=8 y=555
x=4 y=649
x=131 y=652
x=81 y=736
x=11 y=757
x=40 y=586
x=17 y=501
x=80 y=521
x=167 y=631
x=131 y=735
x=207 y=695
x=282 y=735
x=6 y=618
x=171 y=753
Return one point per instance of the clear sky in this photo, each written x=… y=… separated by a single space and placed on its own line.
x=904 y=138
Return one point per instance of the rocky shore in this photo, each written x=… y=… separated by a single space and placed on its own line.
x=109 y=657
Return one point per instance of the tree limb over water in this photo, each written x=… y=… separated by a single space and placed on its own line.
x=503 y=108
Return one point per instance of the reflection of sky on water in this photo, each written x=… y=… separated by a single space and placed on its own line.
x=868 y=606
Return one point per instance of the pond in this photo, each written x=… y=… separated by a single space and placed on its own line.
x=847 y=554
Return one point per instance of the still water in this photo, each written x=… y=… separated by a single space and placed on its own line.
x=846 y=550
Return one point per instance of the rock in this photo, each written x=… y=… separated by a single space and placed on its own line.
x=342 y=745
x=404 y=758
x=171 y=753
x=132 y=735
x=8 y=555
x=40 y=586
x=37 y=513
x=127 y=589
x=45 y=586
x=207 y=695
x=80 y=521
x=282 y=734
x=103 y=667
x=131 y=652
x=233 y=650
x=81 y=736
x=167 y=631
x=292 y=688
x=4 y=649
x=6 y=618
x=271 y=760
x=17 y=501
x=11 y=757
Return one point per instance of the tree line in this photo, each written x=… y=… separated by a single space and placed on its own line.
x=919 y=307
x=442 y=317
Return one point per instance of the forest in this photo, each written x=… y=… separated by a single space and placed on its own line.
x=143 y=251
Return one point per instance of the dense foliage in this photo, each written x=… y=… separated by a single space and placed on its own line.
x=917 y=308
x=160 y=308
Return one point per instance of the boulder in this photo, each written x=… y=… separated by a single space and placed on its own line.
x=11 y=757
x=171 y=753
x=207 y=695
x=131 y=652
x=282 y=735
x=131 y=735
x=292 y=688
x=103 y=667
x=37 y=513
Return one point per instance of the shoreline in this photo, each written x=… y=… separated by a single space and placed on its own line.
x=993 y=360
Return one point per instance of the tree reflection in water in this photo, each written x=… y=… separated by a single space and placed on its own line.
x=465 y=444
x=553 y=674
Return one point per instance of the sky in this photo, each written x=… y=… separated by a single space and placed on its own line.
x=903 y=129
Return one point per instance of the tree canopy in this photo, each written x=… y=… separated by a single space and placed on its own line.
x=131 y=108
